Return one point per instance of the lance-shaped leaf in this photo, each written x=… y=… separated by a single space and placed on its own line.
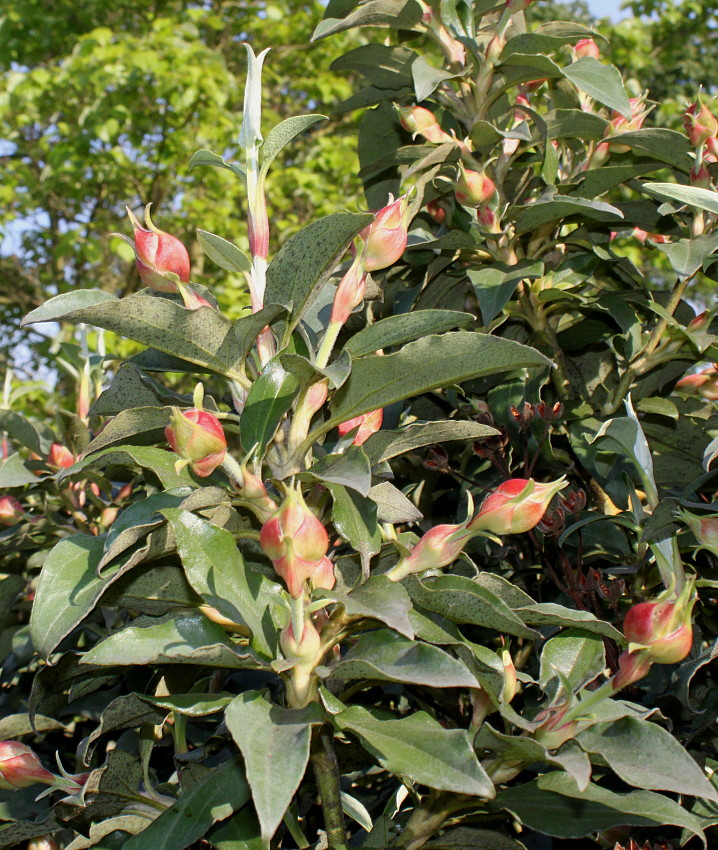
x=577 y=658
x=554 y=805
x=158 y=461
x=646 y=756
x=274 y=743
x=350 y=469
x=213 y=798
x=405 y=327
x=354 y=517
x=387 y=656
x=603 y=82
x=250 y=132
x=226 y=254
x=704 y=199
x=268 y=400
x=206 y=157
x=216 y=570
x=404 y=14
x=418 y=746
x=424 y=365
x=188 y=639
x=283 y=133
x=379 y=598
x=306 y=260
x=388 y=444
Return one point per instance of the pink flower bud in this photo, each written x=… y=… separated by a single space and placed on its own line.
x=323 y=576
x=510 y=686
x=437 y=212
x=60 y=456
x=644 y=236
x=295 y=540
x=487 y=219
x=699 y=123
x=385 y=238
x=197 y=437
x=304 y=651
x=20 y=767
x=439 y=547
x=474 y=188
x=554 y=731
x=662 y=630
x=516 y=506
x=255 y=496
x=703 y=383
x=586 y=47
x=157 y=254
x=632 y=667
x=11 y=511
x=422 y=122
x=350 y=293
x=368 y=423
x=704 y=528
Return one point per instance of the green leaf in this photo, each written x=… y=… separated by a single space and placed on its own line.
x=133 y=388
x=126 y=712
x=268 y=400
x=385 y=445
x=577 y=657
x=420 y=748
x=379 y=598
x=59 y=306
x=158 y=461
x=153 y=590
x=204 y=337
x=601 y=81
x=574 y=124
x=191 y=705
x=136 y=425
x=389 y=657
x=68 y=589
x=225 y=254
x=703 y=199
x=22 y=430
x=402 y=14
x=213 y=798
x=405 y=327
x=688 y=255
x=354 y=518
x=392 y=505
x=307 y=259
x=551 y=614
x=239 y=832
x=553 y=805
x=645 y=755
x=494 y=285
x=205 y=157
x=189 y=639
x=598 y=181
x=464 y=601
x=428 y=363
x=382 y=65
x=667 y=145
x=274 y=743
x=350 y=469
x=282 y=134
x=560 y=207
x=473 y=839
x=14 y=473
x=216 y=570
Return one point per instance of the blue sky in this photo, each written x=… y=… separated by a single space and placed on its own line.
x=606 y=8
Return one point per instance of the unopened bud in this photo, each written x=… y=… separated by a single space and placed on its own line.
x=367 y=423
x=554 y=731
x=439 y=547
x=198 y=438
x=704 y=528
x=304 y=651
x=515 y=506
x=60 y=456
x=158 y=254
x=422 y=122
x=21 y=768
x=474 y=188
x=701 y=177
x=586 y=47
x=703 y=383
x=699 y=123
x=11 y=511
x=386 y=237
x=436 y=211
x=510 y=686
x=350 y=293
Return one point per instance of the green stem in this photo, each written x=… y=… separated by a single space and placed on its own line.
x=326 y=772
x=327 y=345
x=427 y=820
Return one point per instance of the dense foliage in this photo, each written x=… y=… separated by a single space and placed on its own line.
x=420 y=549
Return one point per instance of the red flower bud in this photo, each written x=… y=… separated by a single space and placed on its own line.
x=587 y=47
x=295 y=540
x=516 y=506
x=60 y=456
x=11 y=511
x=323 y=576
x=704 y=528
x=197 y=437
x=700 y=177
x=439 y=547
x=474 y=188
x=157 y=254
x=20 y=767
x=368 y=423
x=632 y=667
x=437 y=212
x=350 y=293
x=385 y=238
x=703 y=383
x=422 y=122
x=699 y=123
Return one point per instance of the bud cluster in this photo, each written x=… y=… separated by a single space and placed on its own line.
x=296 y=543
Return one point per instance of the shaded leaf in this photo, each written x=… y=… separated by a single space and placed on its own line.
x=405 y=327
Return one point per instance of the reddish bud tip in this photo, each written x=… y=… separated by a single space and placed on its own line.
x=11 y=511
x=60 y=456
x=198 y=437
x=368 y=424
x=516 y=506
x=20 y=767
x=386 y=237
x=587 y=47
x=158 y=254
